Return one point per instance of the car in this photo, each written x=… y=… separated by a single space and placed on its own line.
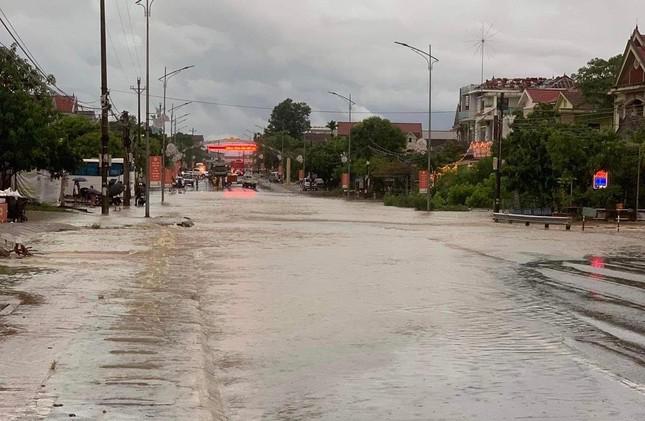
x=188 y=179
x=249 y=182
x=319 y=182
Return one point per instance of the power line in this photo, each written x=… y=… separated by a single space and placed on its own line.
x=115 y=54
x=136 y=53
x=126 y=35
x=23 y=47
x=258 y=107
x=20 y=38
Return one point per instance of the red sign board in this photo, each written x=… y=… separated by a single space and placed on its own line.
x=424 y=181
x=154 y=166
x=233 y=147
x=345 y=180
x=3 y=213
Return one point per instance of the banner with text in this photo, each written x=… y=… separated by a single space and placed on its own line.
x=345 y=180
x=424 y=180
x=154 y=166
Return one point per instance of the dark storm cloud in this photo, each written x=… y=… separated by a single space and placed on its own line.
x=254 y=52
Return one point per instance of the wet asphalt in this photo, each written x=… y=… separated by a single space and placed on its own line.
x=279 y=306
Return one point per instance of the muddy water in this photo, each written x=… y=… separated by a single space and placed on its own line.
x=284 y=307
x=320 y=309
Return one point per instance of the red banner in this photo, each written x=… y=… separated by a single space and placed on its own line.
x=3 y=213
x=154 y=166
x=424 y=181
x=345 y=180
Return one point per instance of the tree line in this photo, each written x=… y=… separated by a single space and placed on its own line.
x=34 y=135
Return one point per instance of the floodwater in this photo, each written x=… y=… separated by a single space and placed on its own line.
x=277 y=306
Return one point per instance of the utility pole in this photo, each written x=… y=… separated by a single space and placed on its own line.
x=146 y=8
x=165 y=78
x=105 y=106
x=163 y=137
x=499 y=122
x=429 y=144
x=349 y=138
x=349 y=147
x=430 y=59
x=138 y=90
x=127 y=159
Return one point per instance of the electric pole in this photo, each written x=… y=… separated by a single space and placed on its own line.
x=105 y=106
x=138 y=89
x=163 y=136
x=127 y=159
x=499 y=122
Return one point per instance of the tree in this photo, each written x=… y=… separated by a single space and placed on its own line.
x=26 y=112
x=32 y=133
x=376 y=134
x=597 y=78
x=332 y=125
x=290 y=117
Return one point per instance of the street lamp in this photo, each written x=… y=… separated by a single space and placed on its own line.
x=163 y=147
x=430 y=59
x=165 y=78
x=349 y=138
x=146 y=10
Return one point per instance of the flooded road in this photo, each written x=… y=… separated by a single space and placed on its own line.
x=286 y=307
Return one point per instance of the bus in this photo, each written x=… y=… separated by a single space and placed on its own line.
x=90 y=174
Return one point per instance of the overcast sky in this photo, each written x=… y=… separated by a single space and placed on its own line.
x=255 y=53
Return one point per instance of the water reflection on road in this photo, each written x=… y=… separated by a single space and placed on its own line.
x=334 y=310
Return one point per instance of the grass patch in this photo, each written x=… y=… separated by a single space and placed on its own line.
x=44 y=207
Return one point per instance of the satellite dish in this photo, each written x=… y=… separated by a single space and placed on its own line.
x=279 y=157
x=300 y=159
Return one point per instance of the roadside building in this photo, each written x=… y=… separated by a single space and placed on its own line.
x=478 y=106
x=411 y=130
x=318 y=135
x=413 y=133
x=439 y=140
x=532 y=97
x=573 y=108
x=629 y=90
x=69 y=105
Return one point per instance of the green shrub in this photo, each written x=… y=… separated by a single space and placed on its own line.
x=458 y=193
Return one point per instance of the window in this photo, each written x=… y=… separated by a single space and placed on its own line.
x=89 y=169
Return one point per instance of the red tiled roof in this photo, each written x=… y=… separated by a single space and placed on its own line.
x=575 y=97
x=544 y=96
x=414 y=128
x=65 y=104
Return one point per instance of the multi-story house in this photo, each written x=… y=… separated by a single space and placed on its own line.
x=478 y=107
x=629 y=90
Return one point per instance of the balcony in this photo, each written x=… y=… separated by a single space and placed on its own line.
x=465 y=115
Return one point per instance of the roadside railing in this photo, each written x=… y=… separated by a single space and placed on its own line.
x=533 y=219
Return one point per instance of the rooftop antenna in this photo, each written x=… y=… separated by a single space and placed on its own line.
x=487 y=33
